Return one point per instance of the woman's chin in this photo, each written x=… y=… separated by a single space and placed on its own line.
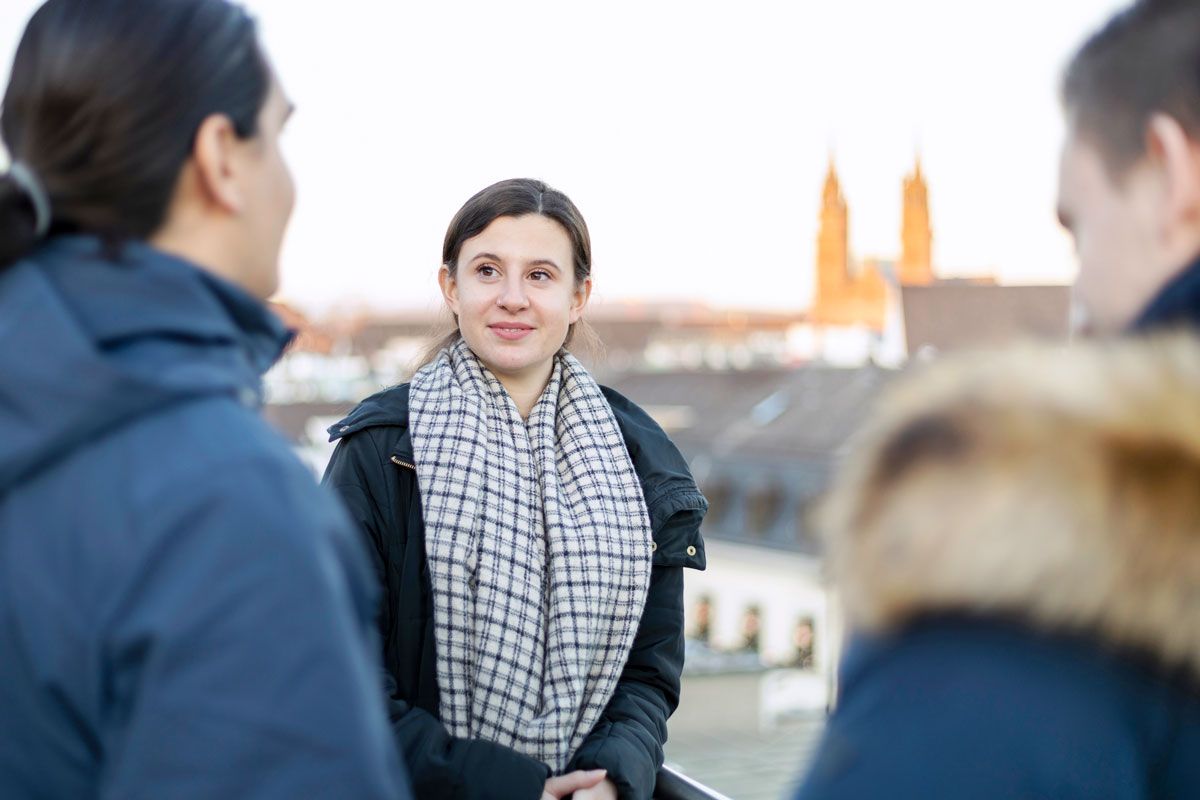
x=513 y=365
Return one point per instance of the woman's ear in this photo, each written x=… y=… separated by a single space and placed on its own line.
x=449 y=289
x=579 y=301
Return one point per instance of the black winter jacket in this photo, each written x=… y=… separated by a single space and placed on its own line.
x=372 y=469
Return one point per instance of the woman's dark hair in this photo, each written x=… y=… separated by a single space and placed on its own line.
x=518 y=197
x=103 y=106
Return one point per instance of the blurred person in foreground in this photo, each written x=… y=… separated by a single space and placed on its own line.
x=529 y=526
x=1016 y=543
x=1019 y=541
x=183 y=613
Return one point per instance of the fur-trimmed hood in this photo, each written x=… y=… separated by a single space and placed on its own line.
x=1059 y=485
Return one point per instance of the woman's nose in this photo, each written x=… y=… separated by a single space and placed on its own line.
x=513 y=296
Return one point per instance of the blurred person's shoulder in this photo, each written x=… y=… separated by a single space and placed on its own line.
x=220 y=447
x=186 y=487
x=946 y=693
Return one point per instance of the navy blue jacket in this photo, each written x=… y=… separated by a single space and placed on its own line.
x=987 y=709
x=183 y=613
x=372 y=469
x=1176 y=305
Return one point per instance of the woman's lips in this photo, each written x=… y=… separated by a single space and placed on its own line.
x=511 y=332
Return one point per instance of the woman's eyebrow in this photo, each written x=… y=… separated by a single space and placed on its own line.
x=537 y=262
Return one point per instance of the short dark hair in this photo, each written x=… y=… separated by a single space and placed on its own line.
x=103 y=105
x=1145 y=60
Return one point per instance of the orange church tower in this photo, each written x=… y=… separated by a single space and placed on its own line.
x=916 y=234
x=833 y=239
x=843 y=298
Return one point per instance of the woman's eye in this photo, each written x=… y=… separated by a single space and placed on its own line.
x=540 y=275
x=486 y=271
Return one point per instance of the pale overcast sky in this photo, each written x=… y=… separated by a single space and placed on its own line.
x=694 y=136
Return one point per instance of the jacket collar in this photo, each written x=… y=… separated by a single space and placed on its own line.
x=1177 y=304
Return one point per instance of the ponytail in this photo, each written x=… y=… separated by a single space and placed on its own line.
x=19 y=223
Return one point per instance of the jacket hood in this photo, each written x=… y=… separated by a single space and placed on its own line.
x=1057 y=486
x=89 y=342
x=386 y=407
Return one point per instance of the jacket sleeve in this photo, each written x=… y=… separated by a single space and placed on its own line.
x=440 y=765
x=238 y=647
x=628 y=740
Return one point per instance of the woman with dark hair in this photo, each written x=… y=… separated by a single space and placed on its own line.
x=182 y=612
x=529 y=528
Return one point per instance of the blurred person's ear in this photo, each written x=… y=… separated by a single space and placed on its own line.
x=215 y=160
x=1177 y=158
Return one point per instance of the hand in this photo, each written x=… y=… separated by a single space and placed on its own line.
x=572 y=782
x=605 y=790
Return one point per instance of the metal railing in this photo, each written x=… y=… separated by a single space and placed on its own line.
x=671 y=784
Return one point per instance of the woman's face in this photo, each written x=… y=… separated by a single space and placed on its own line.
x=515 y=295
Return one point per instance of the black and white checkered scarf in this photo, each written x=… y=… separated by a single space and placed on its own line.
x=538 y=543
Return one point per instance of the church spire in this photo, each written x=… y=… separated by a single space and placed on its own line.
x=831 y=195
x=833 y=245
x=843 y=297
x=916 y=234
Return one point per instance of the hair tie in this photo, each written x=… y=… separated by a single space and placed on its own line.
x=24 y=177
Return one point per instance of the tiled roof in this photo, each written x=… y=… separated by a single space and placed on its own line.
x=762 y=443
x=765 y=413
x=957 y=315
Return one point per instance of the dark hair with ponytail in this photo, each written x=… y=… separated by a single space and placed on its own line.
x=103 y=104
